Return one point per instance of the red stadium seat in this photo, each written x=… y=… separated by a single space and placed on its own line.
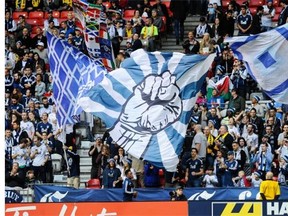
x=16 y=14
x=128 y=13
x=55 y=14
x=240 y=2
x=167 y=3
x=35 y=22
x=275 y=18
x=93 y=184
x=253 y=10
x=64 y=14
x=107 y=4
x=162 y=177
x=255 y=3
x=278 y=10
x=36 y=15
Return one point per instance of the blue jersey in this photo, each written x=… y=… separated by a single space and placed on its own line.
x=194 y=166
x=18 y=107
x=44 y=127
x=128 y=189
x=74 y=164
x=244 y=22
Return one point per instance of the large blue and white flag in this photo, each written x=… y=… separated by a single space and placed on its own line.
x=266 y=59
x=147 y=103
x=73 y=74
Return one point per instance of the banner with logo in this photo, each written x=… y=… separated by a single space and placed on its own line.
x=12 y=196
x=100 y=209
x=239 y=208
x=44 y=193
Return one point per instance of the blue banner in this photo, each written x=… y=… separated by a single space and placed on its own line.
x=45 y=193
x=12 y=196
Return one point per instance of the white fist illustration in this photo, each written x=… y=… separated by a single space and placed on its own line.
x=154 y=105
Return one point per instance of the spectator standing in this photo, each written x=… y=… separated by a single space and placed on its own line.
x=39 y=155
x=44 y=127
x=269 y=189
x=111 y=175
x=128 y=187
x=194 y=170
x=244 y=22
x=256 y=27
x=228 y=24
x=210 y=179
x=238 y=77
x=200 y=143
x=28 y=80
x=151 y=176
x=263 y=159
x=231 y=170
x=18 y=134
x=268 y=14
x=73 y=166
x=179 y=9
x=20 y=154
x=224 y=140
x=93 y=152
x=137 y=22
x=283 y=17
x=102 y=161
x=239 y=155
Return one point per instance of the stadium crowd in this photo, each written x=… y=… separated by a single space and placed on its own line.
x=229 y=141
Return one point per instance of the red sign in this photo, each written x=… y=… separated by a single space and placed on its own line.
x=98 y=209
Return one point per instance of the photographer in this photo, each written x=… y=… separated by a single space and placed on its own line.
x=177 y=195
x=238 y=77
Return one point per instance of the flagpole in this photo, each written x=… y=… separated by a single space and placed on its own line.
x=65 y=158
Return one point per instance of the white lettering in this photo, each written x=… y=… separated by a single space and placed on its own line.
x=284 y=209
x=272 y=210
x=18 y=209
x=103 y=213
x=245 y=194
x=64 y=208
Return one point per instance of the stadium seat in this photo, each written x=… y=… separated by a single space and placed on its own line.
x=167 y=3
x=107 y=4
x=253 y=10
x=162 y=177
x=56 y=162
x=47 y=67
x=278 y=10
x=16 y=14
x=64 y=14
x=128 y=13
x=93 y=184
x=225 y=3
x=36 y=15
x=35 y=22
x=240 y=2
x=255 y=3
x=276 y=17
x=55 y=14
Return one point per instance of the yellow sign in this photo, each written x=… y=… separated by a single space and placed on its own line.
x=246 y=209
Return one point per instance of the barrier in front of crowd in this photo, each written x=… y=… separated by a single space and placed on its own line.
x=68 y=194
x=98 y=209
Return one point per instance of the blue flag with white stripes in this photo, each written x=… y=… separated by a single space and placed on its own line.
x=266 y=59
x=73 y=74
x=147 y=103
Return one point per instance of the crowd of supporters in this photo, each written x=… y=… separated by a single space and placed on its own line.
x=228 y=142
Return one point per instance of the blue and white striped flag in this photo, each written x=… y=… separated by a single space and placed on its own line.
x=266 y=59
x=73 y=74
x=147 y=103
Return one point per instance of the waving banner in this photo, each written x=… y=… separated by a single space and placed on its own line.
x=147 y=103
x=264 y=55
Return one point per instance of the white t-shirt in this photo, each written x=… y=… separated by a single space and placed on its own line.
x=40 y=157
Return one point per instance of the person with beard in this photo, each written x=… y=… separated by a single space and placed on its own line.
x=149 y=34
x=44 y=126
